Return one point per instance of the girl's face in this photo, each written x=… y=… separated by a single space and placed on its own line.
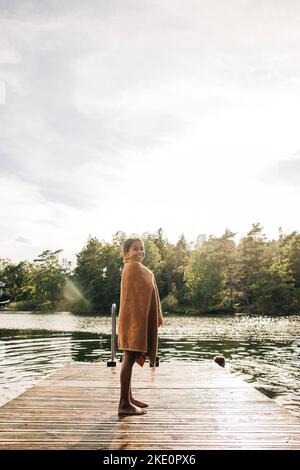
x=136 y=251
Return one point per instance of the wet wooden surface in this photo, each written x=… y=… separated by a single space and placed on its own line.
x=192 y=406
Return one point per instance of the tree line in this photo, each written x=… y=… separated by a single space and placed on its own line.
x=211 y=275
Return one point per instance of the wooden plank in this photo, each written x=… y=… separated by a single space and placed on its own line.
x=207 y=408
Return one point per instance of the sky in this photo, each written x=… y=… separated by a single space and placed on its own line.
x=131 y=115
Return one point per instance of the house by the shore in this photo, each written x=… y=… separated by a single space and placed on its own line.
x=4 y=295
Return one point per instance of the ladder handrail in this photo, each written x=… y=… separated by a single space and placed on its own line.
x=112 y=362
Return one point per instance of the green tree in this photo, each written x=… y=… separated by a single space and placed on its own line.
x=175 y=264
x=204 y=276
x=48 y=278
x=152 y=255
x=98 y=273
x=251 y=262
x=226 y=249
x=18 y=278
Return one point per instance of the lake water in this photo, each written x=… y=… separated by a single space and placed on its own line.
x=262 y=350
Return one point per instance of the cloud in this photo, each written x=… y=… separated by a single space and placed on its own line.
x=160 y=104
x=2 y=92
x=23 y=240
x=285 y=171
x=71 y=113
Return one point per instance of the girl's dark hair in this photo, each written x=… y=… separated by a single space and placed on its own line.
x=127 y=244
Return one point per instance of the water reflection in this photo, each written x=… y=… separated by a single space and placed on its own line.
x=261 y=350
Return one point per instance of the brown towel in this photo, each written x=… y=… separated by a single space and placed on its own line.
x=140 y=311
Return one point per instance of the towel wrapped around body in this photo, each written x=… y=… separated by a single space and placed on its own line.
x=140 y=312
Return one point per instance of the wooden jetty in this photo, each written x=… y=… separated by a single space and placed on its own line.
x=192 y=406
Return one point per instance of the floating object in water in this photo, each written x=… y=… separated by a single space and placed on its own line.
x=220 y=360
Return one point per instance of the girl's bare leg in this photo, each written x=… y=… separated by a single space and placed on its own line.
x=125 y=406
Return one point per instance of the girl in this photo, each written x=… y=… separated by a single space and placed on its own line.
x=139 y=318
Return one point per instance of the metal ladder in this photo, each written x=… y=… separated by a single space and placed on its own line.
x=112 y=362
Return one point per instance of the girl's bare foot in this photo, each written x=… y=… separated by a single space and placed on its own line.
x=141 y=404
x=131 y=410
